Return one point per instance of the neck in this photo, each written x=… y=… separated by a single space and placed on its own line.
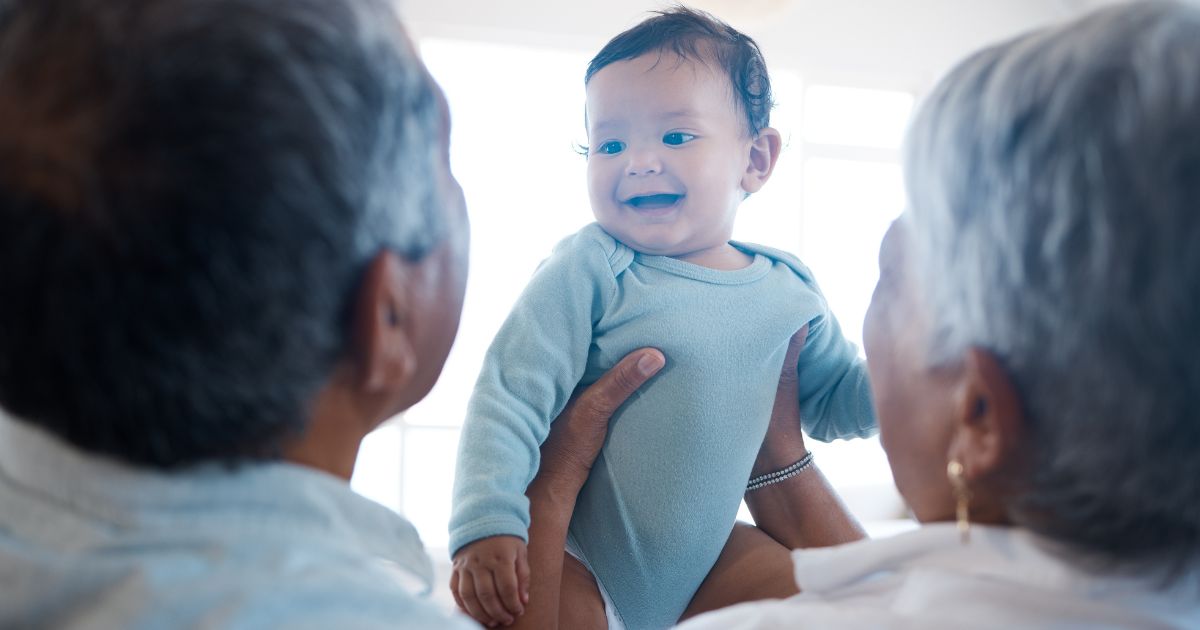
x=331 y=441
x=723 y=257
x=336 y=457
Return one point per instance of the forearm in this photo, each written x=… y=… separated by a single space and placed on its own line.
x=550 y=507
x=803 y=510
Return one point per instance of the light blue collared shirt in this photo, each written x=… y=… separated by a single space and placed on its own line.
x=86 y=542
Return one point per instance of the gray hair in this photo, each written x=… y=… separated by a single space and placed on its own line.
x=1054 y=185
x=190 y=191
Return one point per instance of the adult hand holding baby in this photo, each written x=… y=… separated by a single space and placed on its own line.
x=490 y=580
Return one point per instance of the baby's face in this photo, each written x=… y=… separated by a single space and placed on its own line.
x=668 y=150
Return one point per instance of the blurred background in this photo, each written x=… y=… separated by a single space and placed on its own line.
x=847 y=75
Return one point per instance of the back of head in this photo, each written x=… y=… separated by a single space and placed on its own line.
x=1055 y=186
x=189 y=190
x=700 y=37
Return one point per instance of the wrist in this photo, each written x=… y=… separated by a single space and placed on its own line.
x=778 y=453
x=780 y=475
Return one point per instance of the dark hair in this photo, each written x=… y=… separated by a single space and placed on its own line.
x=189 y=191
x=698 y=36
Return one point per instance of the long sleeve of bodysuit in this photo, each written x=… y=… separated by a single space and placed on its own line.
x=835 y=394
x=528 y=374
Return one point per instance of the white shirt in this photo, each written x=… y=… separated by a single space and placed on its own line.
x=86 y=542
x=1003 y=578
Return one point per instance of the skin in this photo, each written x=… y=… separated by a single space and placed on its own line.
x=670 y=161
x=659 y=124
x=967 y=410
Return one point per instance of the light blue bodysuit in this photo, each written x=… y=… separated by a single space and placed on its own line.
x=664 y=493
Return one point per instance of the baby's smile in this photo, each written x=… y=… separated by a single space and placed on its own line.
x=655 y=201
x=669 y=157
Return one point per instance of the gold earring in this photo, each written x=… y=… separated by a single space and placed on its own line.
x=962 y=496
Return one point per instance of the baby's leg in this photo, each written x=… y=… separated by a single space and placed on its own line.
x=752 y=566
x=580 y=604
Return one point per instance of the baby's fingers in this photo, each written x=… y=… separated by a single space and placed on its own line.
x=488 y=597
x=508 y=587
x=454 y=591
x=470 y=602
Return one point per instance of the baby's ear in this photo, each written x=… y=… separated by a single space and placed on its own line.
x=764 y=151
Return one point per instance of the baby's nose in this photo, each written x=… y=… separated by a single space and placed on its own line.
x=643 y=162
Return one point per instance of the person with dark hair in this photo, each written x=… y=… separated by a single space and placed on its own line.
x=1032 y=350
x=678 y=113
x=230 y=247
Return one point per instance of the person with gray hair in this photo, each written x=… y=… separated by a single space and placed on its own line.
x=230 y=247
x=1032 y=347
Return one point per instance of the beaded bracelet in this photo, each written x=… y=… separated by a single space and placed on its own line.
x=781 y=474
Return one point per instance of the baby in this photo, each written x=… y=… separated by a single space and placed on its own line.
x=677 y=121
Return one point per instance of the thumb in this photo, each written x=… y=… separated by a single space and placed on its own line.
x=609 y=392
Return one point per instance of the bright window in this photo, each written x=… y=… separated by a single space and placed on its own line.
x=856 y=117
x=517 y=111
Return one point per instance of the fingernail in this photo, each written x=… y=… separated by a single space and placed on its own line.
x=649 y=363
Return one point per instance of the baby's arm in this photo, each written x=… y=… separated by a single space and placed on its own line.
x=529 y=372
x=835 y=394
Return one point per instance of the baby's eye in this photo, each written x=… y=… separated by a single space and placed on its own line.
x=678 y=137
x=612 y=147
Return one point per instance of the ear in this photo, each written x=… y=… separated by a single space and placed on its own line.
x=764 y=152
x=989 y=418
x=383 y=356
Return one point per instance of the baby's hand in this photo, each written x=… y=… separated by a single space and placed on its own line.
x=490 y=581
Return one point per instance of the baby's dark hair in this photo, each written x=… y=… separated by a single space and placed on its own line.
x=698 y=36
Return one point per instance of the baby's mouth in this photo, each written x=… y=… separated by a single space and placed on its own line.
x=653 y=202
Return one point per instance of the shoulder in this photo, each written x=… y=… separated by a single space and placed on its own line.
x=595 y=248
x=338 y=587
x=1007 y=575
x=191 y=587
